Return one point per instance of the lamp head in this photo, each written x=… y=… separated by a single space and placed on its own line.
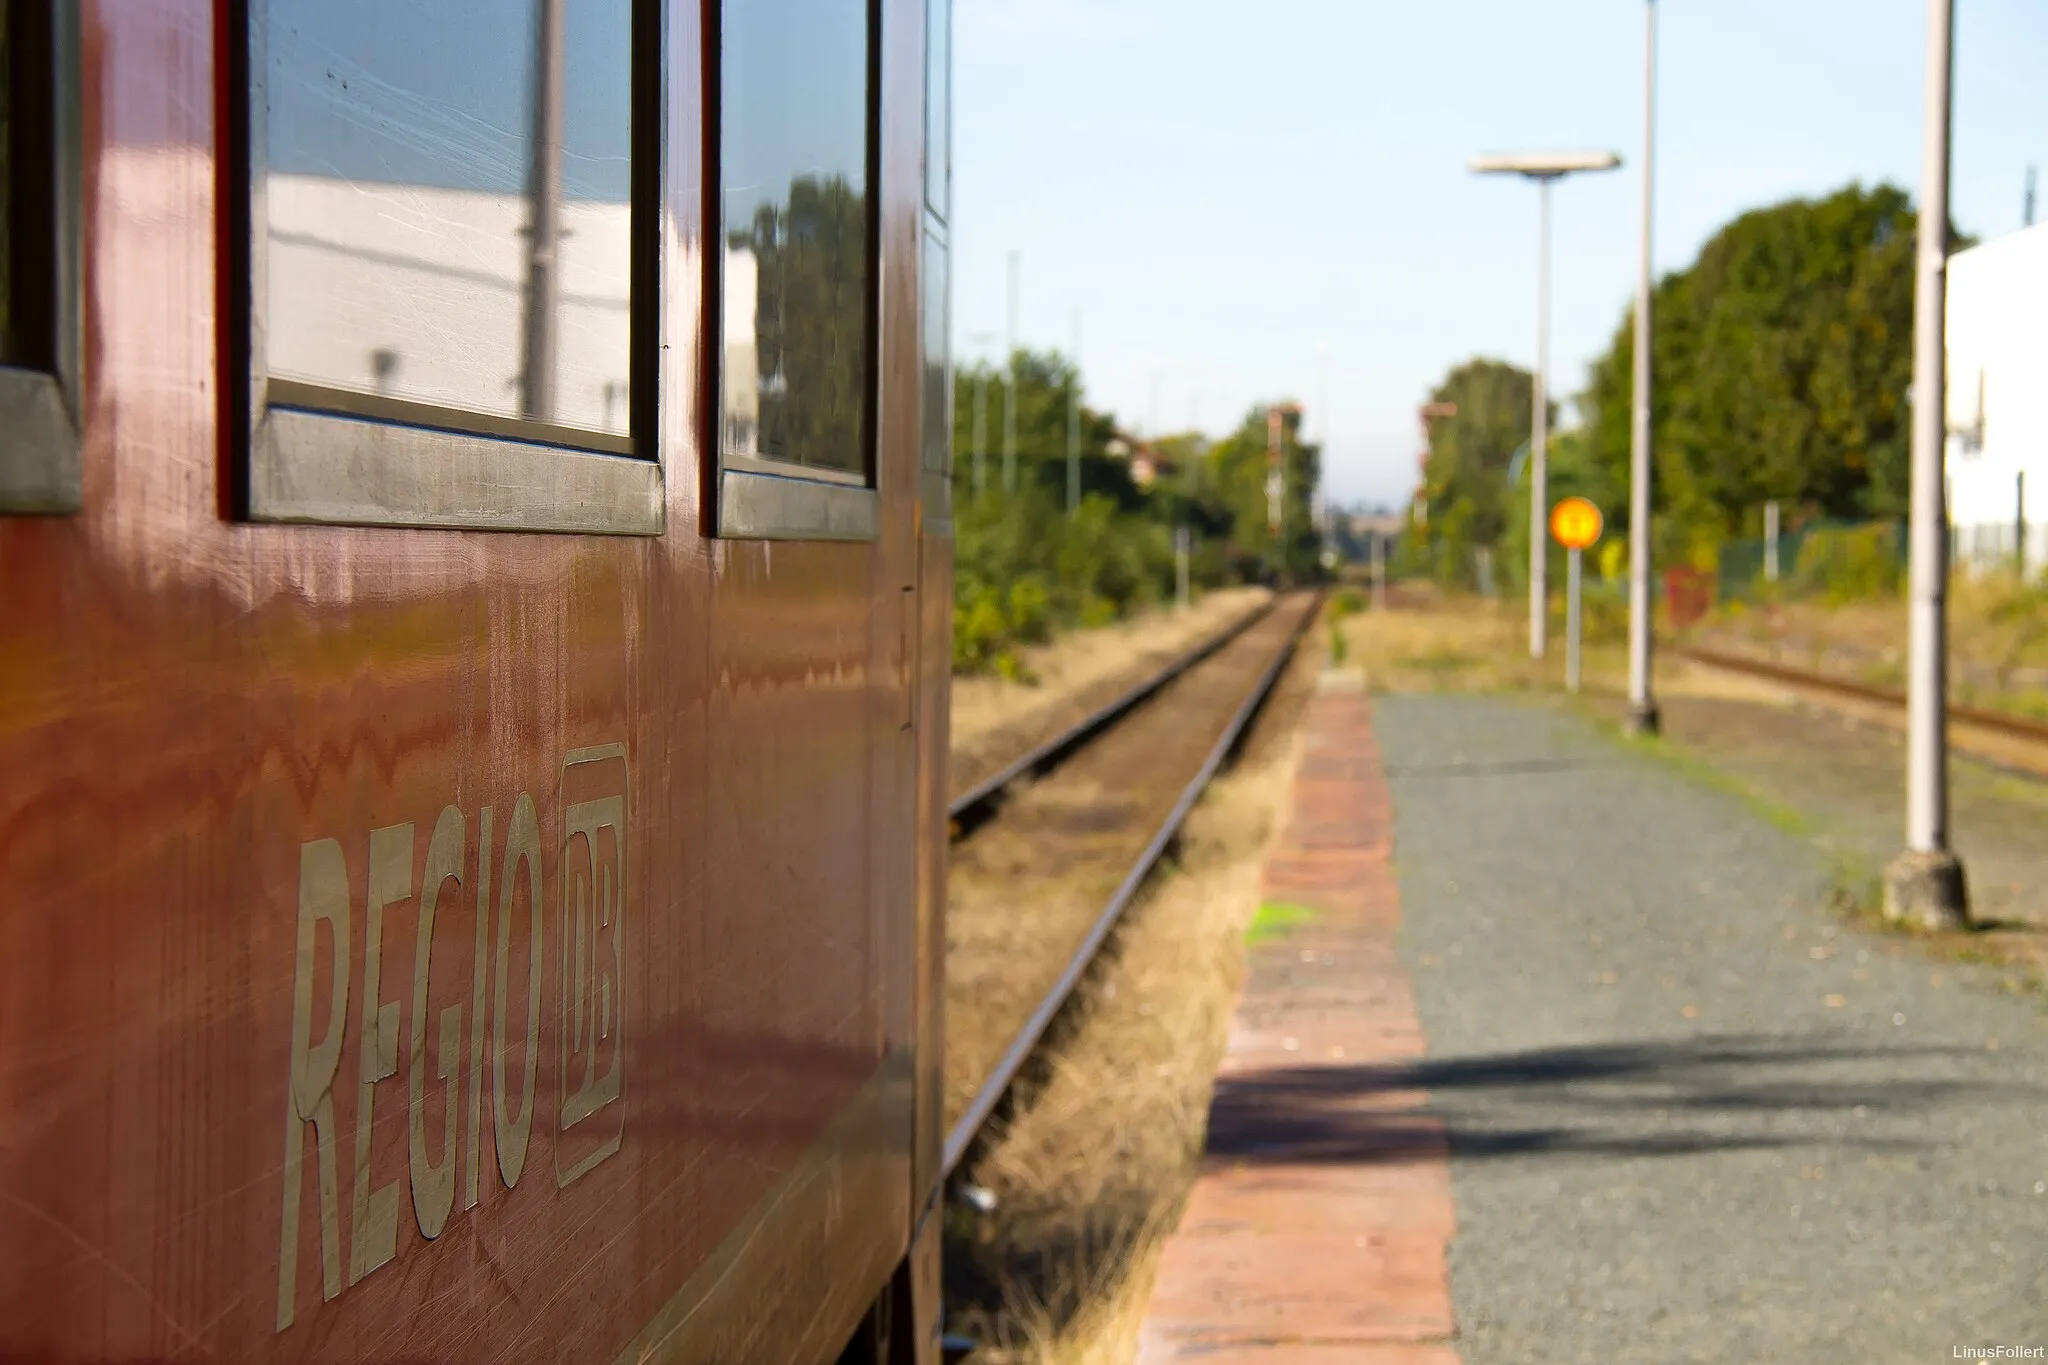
x=1544 y=165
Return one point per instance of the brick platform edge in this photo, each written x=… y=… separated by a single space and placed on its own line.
x=1316 y=1232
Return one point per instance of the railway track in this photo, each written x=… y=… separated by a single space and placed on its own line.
x=980 y=790
x=1041 y=871
x=1823 y=686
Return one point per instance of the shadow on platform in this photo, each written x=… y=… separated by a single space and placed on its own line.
x=1648 y=1099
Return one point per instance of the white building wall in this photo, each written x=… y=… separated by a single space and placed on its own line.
x=435 y=277
x=1997 y=333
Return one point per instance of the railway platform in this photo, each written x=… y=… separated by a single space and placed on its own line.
x=1562 y=1055
x=1301 y=1244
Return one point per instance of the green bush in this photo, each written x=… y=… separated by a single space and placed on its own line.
x=1847 y=563
x=1024 y=569
x=1030 y=613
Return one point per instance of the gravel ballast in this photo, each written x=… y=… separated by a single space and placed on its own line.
x=1693 y=1115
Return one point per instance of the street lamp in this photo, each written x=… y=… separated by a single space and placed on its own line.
x=1642 y=706
x=1543 y=168
x=1925 y=881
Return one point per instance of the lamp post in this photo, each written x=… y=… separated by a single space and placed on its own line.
x=1543 y=168
x=1925 y=881
x=981 y=342
x=1010 y=388
x=1074 y=425
x=1642 y=706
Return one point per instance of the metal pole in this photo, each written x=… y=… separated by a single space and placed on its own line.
x=1540 y=423
x=1571 y=620
x=980 y=433
x=1074 y=425
x=1275 y=490
x=543 y=218
x=2019 y=525
x=1925 y=882
x=1379 y=570
x=1180 y=564
x=1010 y=389
x=1642 y=704
x=1771 y=541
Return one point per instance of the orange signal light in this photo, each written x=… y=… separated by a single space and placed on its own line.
x=1575 y=523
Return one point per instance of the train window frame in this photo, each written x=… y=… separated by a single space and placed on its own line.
x=767 y=499
x=935 y=273
x=383 y=463
x=938 y=112
x=41 y=464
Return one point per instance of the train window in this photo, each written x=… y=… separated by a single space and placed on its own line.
x=797 y=269
x=39 y=458
x=936 y=336
x=938 y=107
x=451 y=264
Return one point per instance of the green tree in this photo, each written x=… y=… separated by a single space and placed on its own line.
x=1025 y=565
x=1782 y=361
x=1231 y=499
x=1045 y=383
x=1479 y=425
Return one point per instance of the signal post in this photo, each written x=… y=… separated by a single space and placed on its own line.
x=1575 y=524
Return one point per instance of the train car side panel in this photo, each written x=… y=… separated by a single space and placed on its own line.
x=426 y=944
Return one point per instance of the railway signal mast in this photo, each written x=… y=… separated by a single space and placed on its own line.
x=1275 y=483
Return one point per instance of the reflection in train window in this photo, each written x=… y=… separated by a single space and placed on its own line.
x=798 y=261
x=447 y=213
x=10 y=344
x=27 y=287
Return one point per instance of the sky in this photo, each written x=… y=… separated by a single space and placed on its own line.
x=368 y=90
x=1253 y=201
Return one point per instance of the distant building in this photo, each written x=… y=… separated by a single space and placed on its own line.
x=741 y=376
x=1998 y=399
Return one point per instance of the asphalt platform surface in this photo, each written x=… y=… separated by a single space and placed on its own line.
x=1693 y=1116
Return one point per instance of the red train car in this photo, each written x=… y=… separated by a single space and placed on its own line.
x=475 y=571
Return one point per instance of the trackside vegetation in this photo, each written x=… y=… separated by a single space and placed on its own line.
x=1026 y=566
x=1782 y=362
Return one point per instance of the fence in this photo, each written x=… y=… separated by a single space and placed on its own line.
x=1998 y=547
x=1839 y=560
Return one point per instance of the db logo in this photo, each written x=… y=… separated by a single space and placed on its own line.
x=593 y=806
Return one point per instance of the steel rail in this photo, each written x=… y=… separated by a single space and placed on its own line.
x=961 y=1136
x=1071 y=737
x=2017 y=726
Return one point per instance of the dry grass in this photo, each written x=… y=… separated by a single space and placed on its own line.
x=1430 y=641
x=1427 y=641
x=1998 y=638
x=1079 y=670
x=1091 y=1166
